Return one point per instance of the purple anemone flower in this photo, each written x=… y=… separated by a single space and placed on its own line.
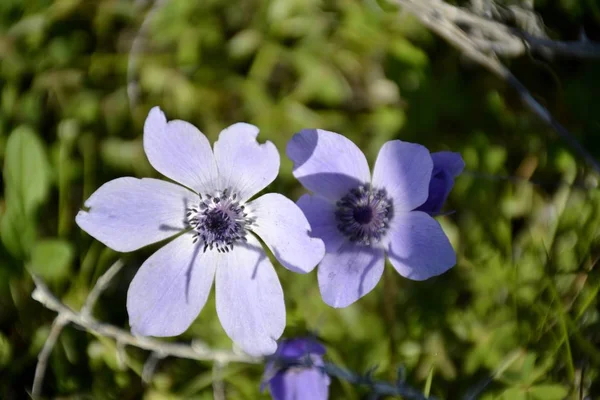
x=446 y=166
x=293 y=382
x=216 y=226
x=362 y=218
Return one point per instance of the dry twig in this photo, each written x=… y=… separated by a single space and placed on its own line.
x=84 y=319
x=448 y=22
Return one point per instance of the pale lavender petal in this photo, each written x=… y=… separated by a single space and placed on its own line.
x=404 y=170
x=299 y=384
x=170 y=288
x=245 y=166
x=448 y=161
x=418 y=247
x=350 y=273
x=178 y=150
x=128 y=213
x=320 y=214
x=250 y=299
x=285 y=230
x=327 y=163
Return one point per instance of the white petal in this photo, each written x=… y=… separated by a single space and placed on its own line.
x=244 y=165
x=250 y=299
x=285 y=230
x=170 y=288
x=128 y=213
x=178 y=150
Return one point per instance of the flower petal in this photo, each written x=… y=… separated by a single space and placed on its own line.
x=418 y=247
x=448 y=161
x=439 y=189
x=245 y=165
x=300 y=384
x=327 y=163
x=320 y=214
x=350 y=273
x=128 y=213
x=299 y=347
x=179 y=151
x=283 y=227
x=446 y=166
x=404 y=170
x=250 y=299
x=170 y=288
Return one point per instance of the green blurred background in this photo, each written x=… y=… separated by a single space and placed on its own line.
x=520 y=304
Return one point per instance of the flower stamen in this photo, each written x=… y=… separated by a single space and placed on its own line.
x=363 y=214
x=219 y=220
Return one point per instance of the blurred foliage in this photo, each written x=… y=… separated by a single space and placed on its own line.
x=521 y=305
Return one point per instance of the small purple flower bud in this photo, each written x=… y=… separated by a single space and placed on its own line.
x=294 y=372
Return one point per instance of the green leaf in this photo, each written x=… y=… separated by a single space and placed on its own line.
x=26 y=171
x=548 y=392
x=17 y=231
x=51 y=259
x=513 y=393
x=6 y=351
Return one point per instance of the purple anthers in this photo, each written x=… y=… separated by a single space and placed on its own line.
x=219 y=221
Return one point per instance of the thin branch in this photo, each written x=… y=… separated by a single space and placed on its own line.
x=193 y=351
x=61 y=321
x=150 y=366
x=380 y=388
x=218 y=384
x=499 y=38
x=40 y=369
x=100 y=286
x=438 y=22
x=579 y=49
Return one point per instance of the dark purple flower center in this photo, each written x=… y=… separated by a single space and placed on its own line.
x=363 y=214
x=219 y=221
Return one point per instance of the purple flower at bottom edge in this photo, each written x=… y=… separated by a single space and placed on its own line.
x=297 y=382
x=446 y=166
x=363 y=219
x=216 y=222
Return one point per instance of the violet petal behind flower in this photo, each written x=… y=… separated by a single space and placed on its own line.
x=446 y=166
